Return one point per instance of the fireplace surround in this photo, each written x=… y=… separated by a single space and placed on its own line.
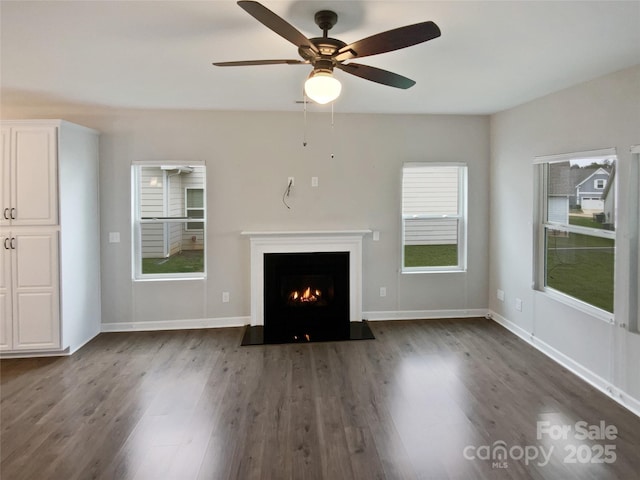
x=312 y=244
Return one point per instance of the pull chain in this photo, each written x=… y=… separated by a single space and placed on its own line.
x=304 y=134
x=332 y=130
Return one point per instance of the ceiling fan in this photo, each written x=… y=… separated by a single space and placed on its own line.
x=326 y=53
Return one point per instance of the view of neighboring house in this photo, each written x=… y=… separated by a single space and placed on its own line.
x=559 y=192
x=170 y=192
x=588 y=184
x=581 y=190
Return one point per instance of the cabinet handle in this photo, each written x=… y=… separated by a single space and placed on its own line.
x=13 y=213
x=13 y=243
x=6 y=244
x=6 y=213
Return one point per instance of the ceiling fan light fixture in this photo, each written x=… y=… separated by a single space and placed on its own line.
x=322 y=87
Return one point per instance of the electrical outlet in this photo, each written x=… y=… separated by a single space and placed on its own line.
x=376 y=236
x=114 y=237
x=314 y=181
x=500 y=295
x=518 y=304
x=225 y=297
x=383 y=291
x=291 y=180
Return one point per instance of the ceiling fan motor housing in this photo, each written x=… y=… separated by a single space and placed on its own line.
x=327 y=47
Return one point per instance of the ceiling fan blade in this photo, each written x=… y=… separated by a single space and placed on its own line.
x=245 y=63
x=277 y=24
x=389 y=41
x=377 y=75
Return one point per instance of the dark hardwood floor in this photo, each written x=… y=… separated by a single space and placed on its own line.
x=425 y=400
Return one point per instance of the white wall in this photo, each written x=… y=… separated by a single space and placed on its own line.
x=598 y=114
x=249 y=157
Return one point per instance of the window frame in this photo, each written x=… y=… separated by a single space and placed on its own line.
x=137 y=222
x=461 y=217
x=542 y=224
x=634 y=230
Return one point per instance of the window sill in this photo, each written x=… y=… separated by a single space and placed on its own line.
x=583 y=307
x=417 y=270
x=164 y=278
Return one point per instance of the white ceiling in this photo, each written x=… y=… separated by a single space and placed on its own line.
x=157 y=54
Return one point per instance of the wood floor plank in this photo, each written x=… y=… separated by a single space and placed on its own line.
x=194 y=405
x=276 y=439
x=336 y=457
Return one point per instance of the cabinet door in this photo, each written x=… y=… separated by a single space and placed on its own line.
x=34 y=181
x=36 y=313
x=5 y=293
x=5 y=176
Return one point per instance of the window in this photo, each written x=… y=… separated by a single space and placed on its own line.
x=599 y=183
x=576 y=236
x=169 y=217
x=434 y=217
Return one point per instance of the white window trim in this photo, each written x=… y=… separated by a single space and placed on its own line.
x=540 y=215
x=461 y=217
x=136 y=233
x=565 y=157
x=577 y=304
x=634 y=230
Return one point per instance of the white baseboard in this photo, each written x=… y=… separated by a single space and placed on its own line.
x=424 y=314
x=35 y=354
x=186 y=324
x=242 y=321
x=613 y=392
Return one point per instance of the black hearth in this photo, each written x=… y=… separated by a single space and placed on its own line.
x=306 y=297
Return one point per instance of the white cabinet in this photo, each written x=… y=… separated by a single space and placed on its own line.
x=29 y=289
x=50 y=234
x=29 y=178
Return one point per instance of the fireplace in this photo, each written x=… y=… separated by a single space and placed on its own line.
x=313 y=261
x=306 y=297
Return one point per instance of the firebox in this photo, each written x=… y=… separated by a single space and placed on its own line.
x=306 y=297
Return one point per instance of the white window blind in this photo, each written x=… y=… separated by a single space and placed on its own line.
x=430 y=190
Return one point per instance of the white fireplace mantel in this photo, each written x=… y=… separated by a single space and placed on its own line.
x=306 y=241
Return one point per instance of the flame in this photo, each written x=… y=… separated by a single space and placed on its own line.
x=306 y=296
